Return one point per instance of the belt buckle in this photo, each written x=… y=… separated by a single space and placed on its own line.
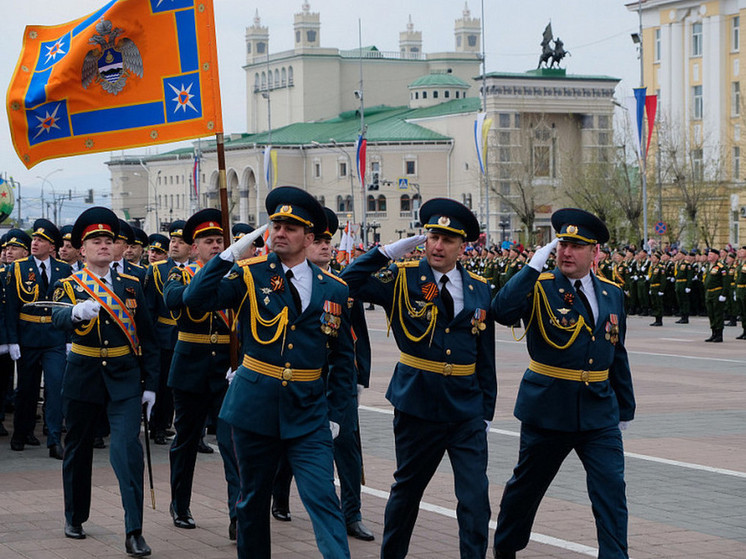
x=44 y=319
x=287 y=374
x=585 y=376
x=104 y=352
x=213 y=338
x=447 y=369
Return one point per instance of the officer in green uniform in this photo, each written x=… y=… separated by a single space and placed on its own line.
x=715 y=277
x=288 y=311
x=113 y=347
x=730 y=304
x=683 y=275
x=740 y=288
x=642 y=270
x=444 y=386
x=577 y=391
x=657 y=285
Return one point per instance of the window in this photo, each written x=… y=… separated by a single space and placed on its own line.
x=736 y=163
x=340 y=204
x=504 y=138
x=457 y=93
x=277 y=77
x=269 y=79
x=697 y=168
x=697 y=39
x=541 y=161
x=410 y=167
x=416 y=94
x=735 y=98
x=290 y=75
x=264 y=80
x=447 y=94
x=375 y=175
x=424 y=94
x=381 y=203
x=467 y=200
x=603 y=122
x=504 y=120
x=435 y=94
x=321 y=200
x=256 y=81
x=404 y=203
x=657 y=49
x=371 y=203
x=603 y=139
x=297 y=36
x=311 y=36
x=342 y=169
x=316 y=170
x=248 y=48
x=697 y=102
x=284 y=78
x=735 y=33
x=503 y=154
x=260 y=46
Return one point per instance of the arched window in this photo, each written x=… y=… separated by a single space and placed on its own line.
x=277 y=77
x=340 y=204
x=264 y=80
x=404 y=203
x=381 y=203
x=256 y=81
x=416 y=202
x=284 y=75
x=290 y=75
x=348 y=208
x=371 y=203
x=269 y=79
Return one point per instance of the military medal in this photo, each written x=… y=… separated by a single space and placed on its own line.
x=277 y=283
x=477 y=321
x=429 y=291
x=331 y=318
x=569 y=298
x=614 y=330
x=31 y=277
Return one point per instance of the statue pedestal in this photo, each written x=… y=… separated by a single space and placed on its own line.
x=548 y=72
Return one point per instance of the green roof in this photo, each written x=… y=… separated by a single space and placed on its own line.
x=439 y=80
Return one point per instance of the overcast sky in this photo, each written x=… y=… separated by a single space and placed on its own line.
x=596 y=32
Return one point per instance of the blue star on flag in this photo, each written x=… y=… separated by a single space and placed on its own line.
x=54 y=49
x=183 y=98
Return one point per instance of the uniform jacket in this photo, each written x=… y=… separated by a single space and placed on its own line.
x=568 y=405
x=134 y=270
x=361 y=339
x=155 y=279
x=256 y=289
x=424 y=394
x=96 y=379
x=196 y=367
x=24 y=286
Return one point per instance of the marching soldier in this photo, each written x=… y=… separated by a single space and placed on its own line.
x=120 y=264
x=112 y=349
x=198 y=372
x=642 y=269
x=33 y=341
x=714 y=281
x=136 y=251
x=740 y=287
x=444 y=387
x=157 y=249
x=683 y=275
x=657 y=284
x=67 y=252
x=577 y=391
x=288 y=310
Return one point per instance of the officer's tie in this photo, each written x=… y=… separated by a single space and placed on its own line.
x=294 y=292
x=116 y=267
x=446 y=296
x=579 y=289
x=44 y=279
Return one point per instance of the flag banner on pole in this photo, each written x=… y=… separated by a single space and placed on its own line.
x=134 y=73
x=639 y=115
x=630 y=104
x=195 y=175
x=270 y=167
x=651 y=106
x=6 y=199
x=481 y=129
x=360 y=146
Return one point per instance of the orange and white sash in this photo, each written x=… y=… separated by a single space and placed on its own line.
x=110 y=302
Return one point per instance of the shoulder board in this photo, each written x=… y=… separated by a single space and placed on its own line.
x=340 y=280
x=408 y=264
x=68 y=278
x=477 y=277
x=546 y=276
x=254 y=260
x=21 y=259
x=135 y=265
x=127 y=276
x=603 y=279
x=158 y=262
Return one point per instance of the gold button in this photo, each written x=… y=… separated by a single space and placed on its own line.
x=272 y=265
x=287 y=374
x=320 y=277
x=212 y=353
x=104 y=352
x=448 y=330
x=447 y=369
x=213 y=338
x=287 y=364
x=284 y=383
x=423 y=278
x=106 y=342
x=590 y=361
x=106 y=322
x=103 y=363
x=448 y=352
x=290 y=346
x=292 y=327
x=593 y=338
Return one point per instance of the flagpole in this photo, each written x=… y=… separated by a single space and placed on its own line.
x=643 y=154
x=485 y=175
x=225 y=223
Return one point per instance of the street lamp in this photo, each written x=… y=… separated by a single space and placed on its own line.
x=43 y=180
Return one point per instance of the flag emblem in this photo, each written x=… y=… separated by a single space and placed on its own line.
x=113 y=61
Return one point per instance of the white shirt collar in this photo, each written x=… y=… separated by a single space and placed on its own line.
x=46 y=262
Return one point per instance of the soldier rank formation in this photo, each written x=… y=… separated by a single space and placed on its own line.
x=269 y=350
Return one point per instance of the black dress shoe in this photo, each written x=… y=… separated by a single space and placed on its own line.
x=135 y=546
x=160 y=438
x=358 y=531
x=16 y=445
x=182 y=520
x=98 y=442
x=281 y=510
x=55 y=451
x=204 y=448
x=74 y=531
x=31 y=440
x=169 y=433
x=232 y=530
x=504 y=554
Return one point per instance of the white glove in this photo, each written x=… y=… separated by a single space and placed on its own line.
x=15 y=351
x=487 y=425
x=87 y=310
x=634 y=278
x=4 y=349
x=399 y=248
x=334 y=428
x=687 y=290
x=540 y=256
x=237 y=249
x=623 y=425
x=360 y=389
x=660 y=294
x=148 y=397
x=229 y=375
x=68 y=348
x=721 y=298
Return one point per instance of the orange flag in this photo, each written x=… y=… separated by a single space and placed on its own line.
x=134 y=73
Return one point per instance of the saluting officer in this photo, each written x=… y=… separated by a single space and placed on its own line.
x=33 y=341
x=289 y=310
x=444 y=387
x=197 y=376
x=577 y=391
x=112 y=348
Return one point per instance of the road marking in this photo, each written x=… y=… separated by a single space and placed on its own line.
x=645 y=457
x=676 y=340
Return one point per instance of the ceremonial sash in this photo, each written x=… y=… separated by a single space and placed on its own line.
x=110 y=302
x=192 y=269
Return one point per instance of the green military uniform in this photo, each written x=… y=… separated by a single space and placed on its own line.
x=740 y=288
x=683 y=285
x=657 y=279
x=716 y=292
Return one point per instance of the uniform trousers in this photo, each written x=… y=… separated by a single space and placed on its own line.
x=542 y=452
x=191 y=411
x=420 y=446
x=715 y=312
x=163 y=410
x=125 y=455
x=33 y=361
x=310 y=457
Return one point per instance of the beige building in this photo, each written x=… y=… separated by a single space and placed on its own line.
x=692 y=52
